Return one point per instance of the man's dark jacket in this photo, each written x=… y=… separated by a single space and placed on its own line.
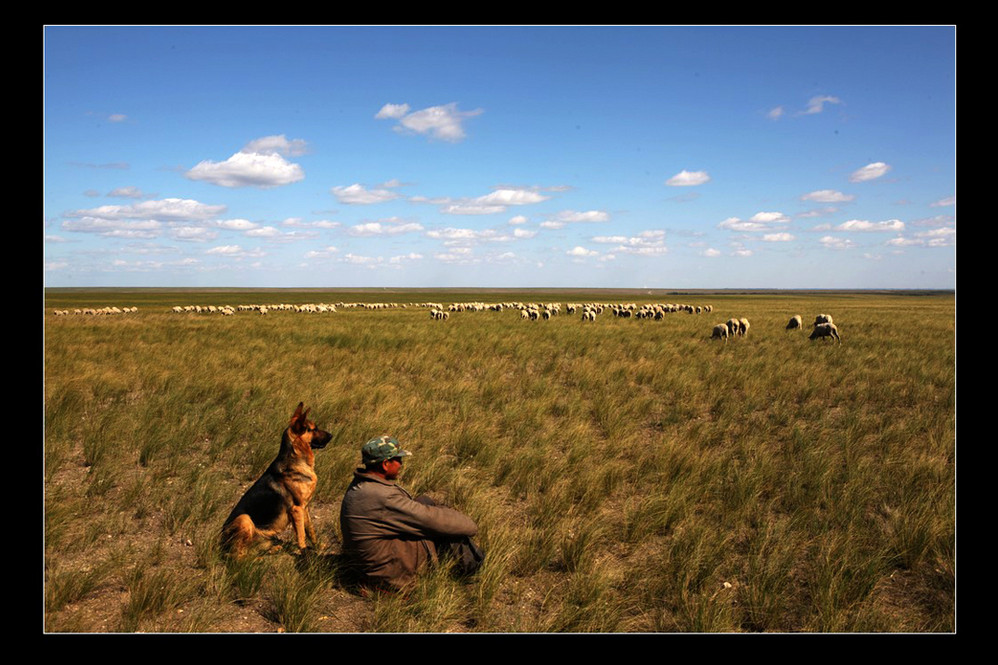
x=388 y=534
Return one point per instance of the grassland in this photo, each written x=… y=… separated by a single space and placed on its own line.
x=627 y=475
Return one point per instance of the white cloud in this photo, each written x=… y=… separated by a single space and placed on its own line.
x=276 y=145
x=948 y=201
x=452 y=234
x=832 y=242
x=938 y=237
x=126 y=193
x=761 y=221
x=411 y=256
x=115 y=228
x=817 y=104
x=738 y=224
x=236 y=224
x=507 y=196
x=518 y=219
x=777 y=237
x=181 y=218
x=392 y=111
x=769 y=218
x=384 y=228
x=297 y=222
x=321 y=253
x=264 y=232
x=117 y=117
x=444 y=122
x=711 y=253
x=647 y=243
x=192 y=233
x=459 y=255
x=688 y=179
x=171 y=209
x=869 y=172
x=827 y=196
x=357 y=259
x=496 y=201
x=455 y=236
x=944 y=237
x=228 y=250
x=647 y=250
x=581 y=251
x=821 y=212
x=863 y=225
x=472 y=209
x=575 y=216
x=775 y=113
x=248 y=169
x=357 y=194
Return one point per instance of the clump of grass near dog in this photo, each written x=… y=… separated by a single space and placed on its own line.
x=293 y=600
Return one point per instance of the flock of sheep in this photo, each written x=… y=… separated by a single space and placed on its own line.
x=822 y=328
x=101 y=311
x=229 y=310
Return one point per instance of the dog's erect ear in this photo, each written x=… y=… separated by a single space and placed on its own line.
x=298 y=416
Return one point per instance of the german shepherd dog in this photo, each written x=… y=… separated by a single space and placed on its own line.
x=280 y=497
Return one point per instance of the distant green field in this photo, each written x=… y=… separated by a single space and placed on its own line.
x=627 y=474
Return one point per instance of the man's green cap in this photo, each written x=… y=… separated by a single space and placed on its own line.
x=381 y=449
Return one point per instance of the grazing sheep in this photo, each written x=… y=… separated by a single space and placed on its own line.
x=733 y=326
x=822 y=318
x=795 y=322
x=720 y=332
x=823 y=330
x=743 y=326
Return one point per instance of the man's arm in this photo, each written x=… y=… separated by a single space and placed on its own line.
x=415 y=518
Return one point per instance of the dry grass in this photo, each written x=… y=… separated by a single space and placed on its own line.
x=627 y=475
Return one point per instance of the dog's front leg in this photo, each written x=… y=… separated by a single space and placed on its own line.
x=299 y=517
x=310 y=529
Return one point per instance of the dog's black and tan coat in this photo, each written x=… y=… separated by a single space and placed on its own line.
x=280 y=497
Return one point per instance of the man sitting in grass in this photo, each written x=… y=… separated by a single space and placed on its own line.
x=388 y=536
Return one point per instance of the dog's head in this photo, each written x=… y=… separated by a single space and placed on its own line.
x=306 y=430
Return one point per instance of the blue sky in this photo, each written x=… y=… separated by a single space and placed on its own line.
x=477 y=156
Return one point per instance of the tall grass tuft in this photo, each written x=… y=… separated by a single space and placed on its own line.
x=151 y=592
x=292 y=599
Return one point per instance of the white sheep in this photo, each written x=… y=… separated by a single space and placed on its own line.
x=720 y=332
x=795 y=322
x=743 y=326
x=823 y=330
x=822 y=318
x=733 y=326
